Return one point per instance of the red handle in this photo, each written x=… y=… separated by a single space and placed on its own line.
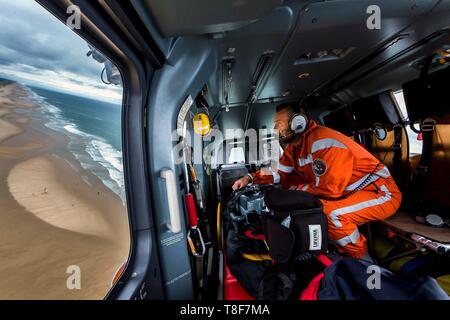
x=191 y=209
x=250 y=235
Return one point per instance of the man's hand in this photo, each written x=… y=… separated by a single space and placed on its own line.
x=241 y=183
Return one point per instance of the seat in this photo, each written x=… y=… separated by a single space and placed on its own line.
x=436 y=182
x=385 y=150
x=393 y=151
x=428 y=102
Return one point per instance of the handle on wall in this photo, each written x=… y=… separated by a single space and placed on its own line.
x=174 y=224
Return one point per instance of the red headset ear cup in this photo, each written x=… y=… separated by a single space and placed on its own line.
x=298 y=123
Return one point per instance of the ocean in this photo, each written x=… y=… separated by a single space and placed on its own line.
x=94 y=130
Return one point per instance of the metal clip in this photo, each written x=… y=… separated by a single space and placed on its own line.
x=428 y=125
x=196 y=243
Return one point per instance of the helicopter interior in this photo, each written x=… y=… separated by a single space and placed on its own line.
x=235 y=62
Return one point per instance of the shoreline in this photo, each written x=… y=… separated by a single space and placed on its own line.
x=53 y=213
x=89 y=151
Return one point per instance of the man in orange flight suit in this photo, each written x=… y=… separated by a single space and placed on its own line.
x=329 y=164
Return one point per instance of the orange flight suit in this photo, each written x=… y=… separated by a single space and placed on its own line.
x=327 y=163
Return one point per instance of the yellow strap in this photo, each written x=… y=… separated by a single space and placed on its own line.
x=191 y=245
x=193 y=173
x=218 y=225
x=257 y=257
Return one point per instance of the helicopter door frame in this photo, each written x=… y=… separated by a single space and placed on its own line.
x=103 y=28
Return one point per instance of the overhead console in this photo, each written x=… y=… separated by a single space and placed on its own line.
x=246 y=56
x=195 y=17
x=272 y=50
x=331 y=40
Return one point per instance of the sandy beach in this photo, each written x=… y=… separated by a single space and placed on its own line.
x=53 y=213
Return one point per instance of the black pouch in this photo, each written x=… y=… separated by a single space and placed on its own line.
x=296 y=226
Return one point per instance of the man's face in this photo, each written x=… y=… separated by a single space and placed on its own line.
x=281 y=124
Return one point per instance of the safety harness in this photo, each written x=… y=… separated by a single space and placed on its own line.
x=397 y=163
x=427 y=128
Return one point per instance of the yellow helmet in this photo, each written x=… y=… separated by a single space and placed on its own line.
x=202 y=125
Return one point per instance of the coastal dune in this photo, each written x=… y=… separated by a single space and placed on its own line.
x=35 y=185
x=53 y=213
x=12 y=96
x=8 y=130
x=4 y=111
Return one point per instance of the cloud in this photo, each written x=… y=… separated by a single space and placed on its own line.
x=64 y=81
x=38 y=49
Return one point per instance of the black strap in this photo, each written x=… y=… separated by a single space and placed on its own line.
x=397 y=148
x=277 y=285
x=427 y=129
x=426 y=67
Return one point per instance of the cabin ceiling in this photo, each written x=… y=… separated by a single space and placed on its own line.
x=275 y=49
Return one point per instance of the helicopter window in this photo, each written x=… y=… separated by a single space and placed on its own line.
x=236 y=155
x=415 y=144
x=64 y=230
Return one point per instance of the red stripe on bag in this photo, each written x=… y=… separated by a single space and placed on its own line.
x=310 y=293
x=250 y=235
x=324 y=260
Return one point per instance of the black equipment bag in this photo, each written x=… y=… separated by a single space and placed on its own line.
x=292 y=246
x=349 y=279
x=297 y=226
x=262 y=279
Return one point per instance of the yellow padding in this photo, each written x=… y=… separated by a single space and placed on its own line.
x=382 y=247
x=397 y=264
x=257 y=257
x=219 y=239
x=444 y=282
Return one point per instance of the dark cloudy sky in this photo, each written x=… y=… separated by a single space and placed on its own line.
x=38 y=49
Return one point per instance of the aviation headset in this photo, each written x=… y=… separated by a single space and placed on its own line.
x=298 y=123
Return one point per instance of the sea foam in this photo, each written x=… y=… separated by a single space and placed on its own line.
x=93 y=153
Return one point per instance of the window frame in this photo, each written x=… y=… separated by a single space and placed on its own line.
x=110 y=36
